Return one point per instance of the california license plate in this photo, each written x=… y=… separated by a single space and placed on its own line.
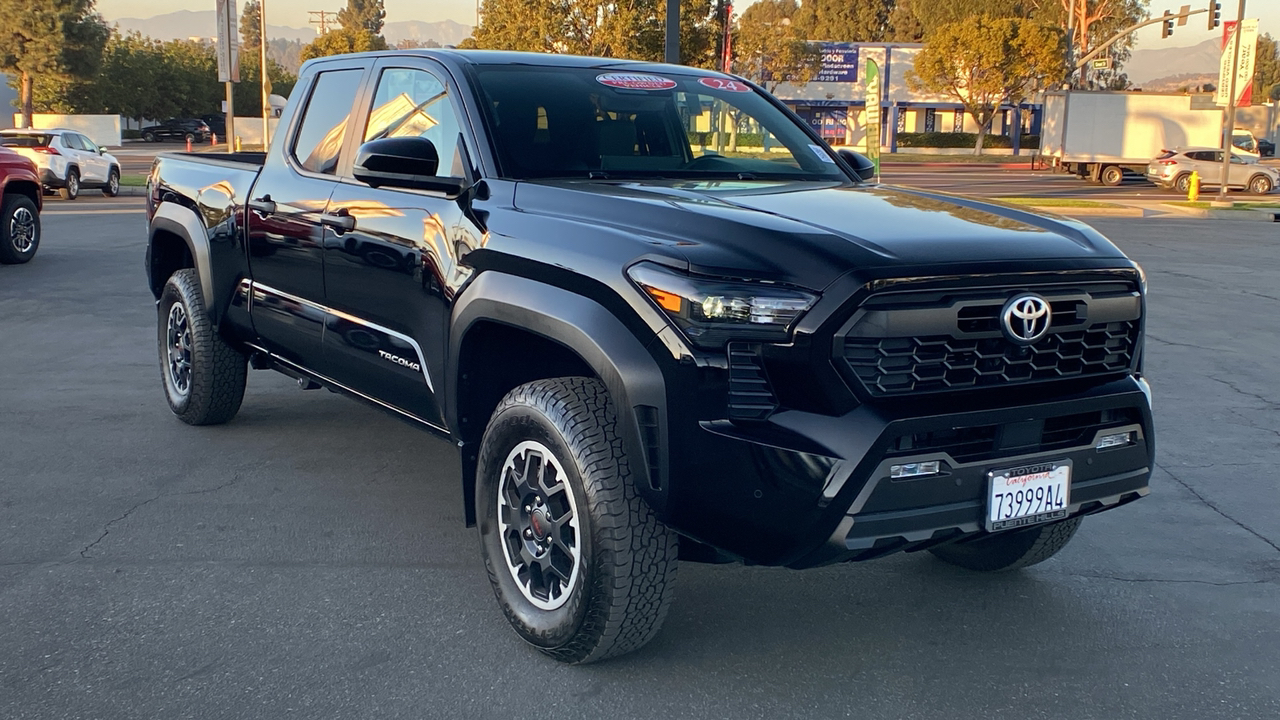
x=1027 y=495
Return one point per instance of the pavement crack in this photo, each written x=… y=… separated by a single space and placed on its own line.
x=106 y=529
x=1246 y=393
x=1219 y=510
x=1117 y=578
x=1178 y=344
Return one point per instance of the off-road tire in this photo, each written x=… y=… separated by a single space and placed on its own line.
x=112 y=188
x=70 y=189
x=217 y=370
x=15 y=249
x=627 y=563
x=1011 y=550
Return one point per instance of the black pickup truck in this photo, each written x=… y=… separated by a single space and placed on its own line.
x=650 y=338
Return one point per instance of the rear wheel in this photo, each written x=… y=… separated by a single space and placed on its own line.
x=580 y=565
x=203 y=376
x=1112 y=175
x=1260 y=185
x=71 y=187
x=19 y=229
x=1182 y=184
x=1010 y=550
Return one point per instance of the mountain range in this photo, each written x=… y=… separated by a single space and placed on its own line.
x=1151 y=65
x=203 y=23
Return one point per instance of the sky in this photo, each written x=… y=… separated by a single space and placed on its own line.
x=294 y=13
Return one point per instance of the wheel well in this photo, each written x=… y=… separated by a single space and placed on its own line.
x=495 y=359
x=1259 y=175
x=30 y=189
x=169 y=254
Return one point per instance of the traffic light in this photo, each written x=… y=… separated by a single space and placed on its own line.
x=1167 y=28
x=1215 y=14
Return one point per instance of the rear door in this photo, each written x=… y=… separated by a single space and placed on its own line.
x=286 y=217
x=391 y=278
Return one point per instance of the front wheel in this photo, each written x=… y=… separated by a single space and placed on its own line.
x=112 y=188
x=1010 y=550
x=203 y=376
x=19 y=229
x=1260 y=185
x=580 y=565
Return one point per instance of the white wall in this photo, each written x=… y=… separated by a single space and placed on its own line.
x=102 y=129
x=249 y=130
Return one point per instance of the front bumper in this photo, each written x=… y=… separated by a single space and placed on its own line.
x=804 y=489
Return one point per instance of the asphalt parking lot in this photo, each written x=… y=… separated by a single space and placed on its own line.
x=308 y=559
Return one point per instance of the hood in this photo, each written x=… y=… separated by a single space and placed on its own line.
x=12 y=157
x=808 y=234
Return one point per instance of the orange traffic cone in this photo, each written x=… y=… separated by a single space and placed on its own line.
x=188 y=144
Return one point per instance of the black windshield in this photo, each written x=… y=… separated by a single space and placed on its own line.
x=591 y=122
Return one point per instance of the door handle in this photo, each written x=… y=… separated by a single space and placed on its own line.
x=263 y=205
x=341 y=222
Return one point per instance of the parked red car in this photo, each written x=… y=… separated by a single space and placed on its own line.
x=20 y=202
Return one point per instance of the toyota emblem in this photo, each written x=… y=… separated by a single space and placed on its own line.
x=1025 y=319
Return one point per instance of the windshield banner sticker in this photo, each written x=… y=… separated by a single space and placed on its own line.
x=823 y=155
x=725 y=85
x=635 y=81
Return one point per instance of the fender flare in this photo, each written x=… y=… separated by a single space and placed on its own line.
x=183 y=222
x=635 y=383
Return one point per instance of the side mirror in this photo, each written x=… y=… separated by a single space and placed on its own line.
x=861 y=164
x=403 y=162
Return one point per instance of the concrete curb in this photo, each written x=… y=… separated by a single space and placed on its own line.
x=1252 y=215
x=1096 y=212
x=132 y=191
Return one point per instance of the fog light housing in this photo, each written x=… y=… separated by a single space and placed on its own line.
x=914 y=470
x=1114 y=440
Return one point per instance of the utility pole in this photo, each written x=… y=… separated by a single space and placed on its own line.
x=1229 y=120
x=1071 y=34
x=262 y=70
x=321 y=19
x=671 y=53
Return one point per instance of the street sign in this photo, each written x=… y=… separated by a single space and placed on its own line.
x=228 y=43
x=1101 y=64
x=873 y=113
x=839 y=63
x=1247 y=36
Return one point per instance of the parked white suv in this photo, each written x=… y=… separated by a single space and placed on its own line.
x=66 y=160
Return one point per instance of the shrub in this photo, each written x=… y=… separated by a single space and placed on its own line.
x=962 y=140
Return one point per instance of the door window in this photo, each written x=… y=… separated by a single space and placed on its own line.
x=71 y=140
x=411 y=102
x=87 y=144
x=324 y=121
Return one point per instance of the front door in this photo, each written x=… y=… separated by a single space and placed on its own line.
x=391 y=278
x=93 y=167
x=286 y=220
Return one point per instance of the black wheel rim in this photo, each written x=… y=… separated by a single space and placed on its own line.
x=178 y=340
x=22 y=230
x=538 y=524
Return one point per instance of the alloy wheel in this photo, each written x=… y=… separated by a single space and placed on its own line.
x=22 y=230
x=538 y=525
x=178 y=335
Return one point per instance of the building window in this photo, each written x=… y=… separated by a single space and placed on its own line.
x=959 y=122
x=930 y=120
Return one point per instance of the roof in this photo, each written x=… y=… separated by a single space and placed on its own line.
x=506 y=57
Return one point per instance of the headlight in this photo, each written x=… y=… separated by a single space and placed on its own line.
x=710 y=312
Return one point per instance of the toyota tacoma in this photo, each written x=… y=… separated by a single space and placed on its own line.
x=660 y=319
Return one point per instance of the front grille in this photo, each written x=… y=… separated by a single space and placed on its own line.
x=906 y=344
x=984 y=442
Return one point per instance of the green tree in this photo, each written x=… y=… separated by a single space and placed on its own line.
x=770 y=47
x=367 y=15
x=1096 y=21
x=904 y=24
x=342 y=41
x=984 y=63
x=251 y=29
x=844 y=20
x=49 y=38
x=933 y=14
x=1266 y=74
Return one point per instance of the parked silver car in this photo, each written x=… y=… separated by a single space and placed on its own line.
x=1172 y=171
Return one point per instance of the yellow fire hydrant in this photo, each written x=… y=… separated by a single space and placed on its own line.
x=1193 y=191
x=238 y=150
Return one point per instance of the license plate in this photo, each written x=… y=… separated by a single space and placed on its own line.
x=1028 y=495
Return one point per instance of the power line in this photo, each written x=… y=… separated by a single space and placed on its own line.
x=322 y=19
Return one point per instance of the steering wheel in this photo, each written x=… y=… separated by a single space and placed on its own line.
x=710 y=162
